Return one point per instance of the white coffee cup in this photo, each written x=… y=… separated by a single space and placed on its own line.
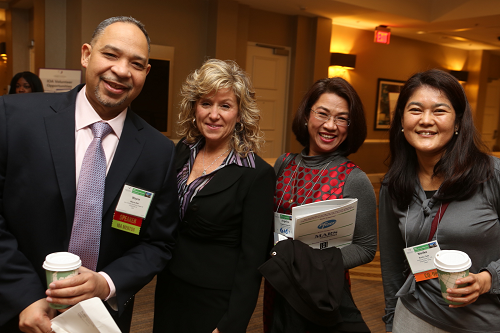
x=60 y=266
x=451 y=265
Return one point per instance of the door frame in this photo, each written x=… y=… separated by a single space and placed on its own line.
x=276 y=50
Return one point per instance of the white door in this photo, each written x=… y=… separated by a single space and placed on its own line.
x=491 y=110
x=269 y=74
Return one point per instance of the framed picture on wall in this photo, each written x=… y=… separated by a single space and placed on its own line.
x=387 y=96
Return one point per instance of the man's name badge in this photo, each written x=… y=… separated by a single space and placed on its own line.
x=132 y=208
x=421 y=260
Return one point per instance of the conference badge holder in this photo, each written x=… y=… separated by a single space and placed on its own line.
x=421 y=260
x=132 y=208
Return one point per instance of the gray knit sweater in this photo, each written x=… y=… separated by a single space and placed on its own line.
x=471 y=226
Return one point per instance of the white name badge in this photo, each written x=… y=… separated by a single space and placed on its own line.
x=134 y=201
x=283 y=224
x=421 y=260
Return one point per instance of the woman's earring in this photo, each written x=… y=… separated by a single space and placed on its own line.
x=194 y=120
x=306 y=124
x=402 y=130
x=236 y=128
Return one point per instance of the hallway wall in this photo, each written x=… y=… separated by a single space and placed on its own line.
x=199 y=29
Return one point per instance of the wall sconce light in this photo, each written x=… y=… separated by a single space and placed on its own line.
x=3 y=52
x=347 y=61
x=461 y=76
x=382 y=35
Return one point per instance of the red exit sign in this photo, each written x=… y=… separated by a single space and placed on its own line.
x=382 y=35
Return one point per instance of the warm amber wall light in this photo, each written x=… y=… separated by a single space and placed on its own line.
x=3 y=51
x=346 y=61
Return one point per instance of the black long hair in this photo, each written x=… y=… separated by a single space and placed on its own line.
x=33 y=80
x=356 y=133
x=464 y=165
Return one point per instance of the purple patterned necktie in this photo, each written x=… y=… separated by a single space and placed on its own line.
x=86 y=233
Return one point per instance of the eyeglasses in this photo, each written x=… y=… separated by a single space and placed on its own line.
x=325 y=116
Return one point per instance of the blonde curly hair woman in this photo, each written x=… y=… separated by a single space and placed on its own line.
x=226 y=207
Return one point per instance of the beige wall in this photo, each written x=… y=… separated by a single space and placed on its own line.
x=270 y=28
x=199 y=29
x=181 y=24
x=398 y=60
x=55 y=33
x=19 y=21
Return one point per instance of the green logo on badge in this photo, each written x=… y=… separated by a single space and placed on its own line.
x=421 y=248
x=138 y=192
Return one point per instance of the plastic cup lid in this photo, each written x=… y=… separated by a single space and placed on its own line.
x=452 y=261
x=62 y=261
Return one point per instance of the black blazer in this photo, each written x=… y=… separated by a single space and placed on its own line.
x=225 y=235
x=38 y=191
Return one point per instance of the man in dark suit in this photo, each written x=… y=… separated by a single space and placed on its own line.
x=43 y=140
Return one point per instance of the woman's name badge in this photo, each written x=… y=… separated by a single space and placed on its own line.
x=421 y=260
x=132 y=208
x=283 y=224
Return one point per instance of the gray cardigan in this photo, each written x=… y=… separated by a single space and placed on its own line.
x=471 y=226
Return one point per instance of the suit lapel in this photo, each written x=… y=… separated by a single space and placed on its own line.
x=223 y=179
x=182 y=154
x=127 y=153
x=60 y=129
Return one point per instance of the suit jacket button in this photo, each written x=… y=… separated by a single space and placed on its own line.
x=194 y=207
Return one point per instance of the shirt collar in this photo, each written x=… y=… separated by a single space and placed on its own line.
x=85 y=115
x=232 y=158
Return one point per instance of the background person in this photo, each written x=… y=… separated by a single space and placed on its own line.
x=437 y=158
x=226 y=197
x=25 y=82
x=43 y=142
x=330 y=124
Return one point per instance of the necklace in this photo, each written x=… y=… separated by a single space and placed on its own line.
x=204 y=153
x=312 y=187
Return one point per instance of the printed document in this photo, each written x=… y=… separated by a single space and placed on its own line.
x=321 y=224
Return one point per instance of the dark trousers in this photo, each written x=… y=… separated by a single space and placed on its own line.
x=181 y=307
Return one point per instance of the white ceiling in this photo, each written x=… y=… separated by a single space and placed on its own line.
x=464 y=24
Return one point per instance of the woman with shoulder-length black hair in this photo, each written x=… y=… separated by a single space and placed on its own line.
x=441 y=186
x=463 y=152
x=330 y=124
x=25 y=82
x=340 y=87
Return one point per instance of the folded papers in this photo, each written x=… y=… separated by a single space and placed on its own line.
x=89 y=316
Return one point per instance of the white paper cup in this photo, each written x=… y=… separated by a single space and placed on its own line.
x=451 y=265
x=59 y=266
